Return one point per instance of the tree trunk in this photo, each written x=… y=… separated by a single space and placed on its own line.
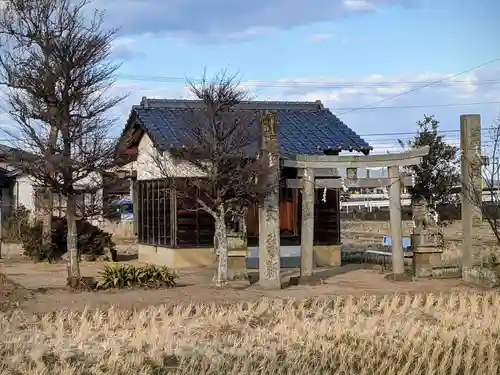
x=221 y=247
x=48 y=193
x=73 y=264
x=48 y=205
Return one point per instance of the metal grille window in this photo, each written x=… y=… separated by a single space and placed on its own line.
x=153 y=213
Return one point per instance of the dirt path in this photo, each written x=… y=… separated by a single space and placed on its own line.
x=46 y=281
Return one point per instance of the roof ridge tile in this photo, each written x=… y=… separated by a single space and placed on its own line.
x=248 y=105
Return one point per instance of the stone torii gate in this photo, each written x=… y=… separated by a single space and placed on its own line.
x=269 y=233
x=269 y=241
x=395 y=181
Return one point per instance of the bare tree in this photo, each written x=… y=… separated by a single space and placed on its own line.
x=55 y=62
x=221 y=154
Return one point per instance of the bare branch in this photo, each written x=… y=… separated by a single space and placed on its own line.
x=55 y=63
x=221 y=149
x=56 y=66
x=223 y=167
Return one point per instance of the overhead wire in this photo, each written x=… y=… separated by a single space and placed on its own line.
x=423 y=86
x=370 y=106
x=315 y=84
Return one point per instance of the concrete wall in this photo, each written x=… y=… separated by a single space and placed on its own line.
x=453 y=230
x=196 y=257
x=185 y=258
x=121 y=231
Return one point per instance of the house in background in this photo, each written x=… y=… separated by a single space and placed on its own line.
x=19 y=189
x=16 y=188
x=370 y=199
x=176 y=236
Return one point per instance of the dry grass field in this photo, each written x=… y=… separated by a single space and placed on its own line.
x=356 y=323
x=456 y=333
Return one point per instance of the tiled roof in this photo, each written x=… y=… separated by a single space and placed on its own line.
x=305 y=128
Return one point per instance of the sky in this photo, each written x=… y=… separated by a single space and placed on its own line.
x=353 y=55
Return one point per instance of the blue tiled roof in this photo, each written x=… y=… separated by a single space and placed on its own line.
x=303 y=127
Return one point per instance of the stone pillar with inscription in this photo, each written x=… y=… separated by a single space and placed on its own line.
x=470 y=149
x=269 y=220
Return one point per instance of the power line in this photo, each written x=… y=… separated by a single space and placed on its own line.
x=424 y=86
x=414 y=106
x=415 y=132
x=392 y=136
x=372 y=142
x=439 y=131
x=315 y=84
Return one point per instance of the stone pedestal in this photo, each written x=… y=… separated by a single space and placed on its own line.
x=237 y=255
x=424 y=240
x=236 y=242
x=425 y=259
x=327 y=255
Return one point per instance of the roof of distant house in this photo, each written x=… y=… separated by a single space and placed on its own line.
x=14 y=154
x=5 y=177
x=304 y=128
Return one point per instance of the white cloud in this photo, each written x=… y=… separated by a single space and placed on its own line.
x=318 y=38
x=229 y=20
x=360 y=5
x=327 y=37
x=125 y=49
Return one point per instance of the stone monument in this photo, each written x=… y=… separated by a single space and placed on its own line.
x=425 y=241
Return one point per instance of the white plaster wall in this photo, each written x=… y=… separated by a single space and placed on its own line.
x=151 y=165
x=23 y=193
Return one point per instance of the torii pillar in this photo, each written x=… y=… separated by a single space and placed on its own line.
x=398 y=261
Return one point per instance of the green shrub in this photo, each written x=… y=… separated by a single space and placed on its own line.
x=34 y=246
x=117 y=276
x=90 y=241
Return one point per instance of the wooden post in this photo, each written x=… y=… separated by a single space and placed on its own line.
x=307 y=229
x=173 y=216
x=135 y=203
x=396 y=221
x=470 y=145
x=269 y=215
